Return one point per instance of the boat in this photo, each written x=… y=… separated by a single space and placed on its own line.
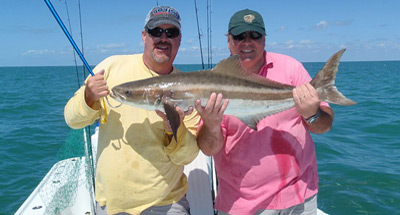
x=200 y=174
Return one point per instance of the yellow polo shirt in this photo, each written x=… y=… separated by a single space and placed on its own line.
x=138 y=166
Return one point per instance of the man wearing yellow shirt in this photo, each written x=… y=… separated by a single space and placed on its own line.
x=139 y=163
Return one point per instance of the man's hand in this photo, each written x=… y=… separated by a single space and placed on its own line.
x=213 y=112
x=181 y=113
x=96 y=88
x=307 y=104
x=306 y=100
x=210 y=139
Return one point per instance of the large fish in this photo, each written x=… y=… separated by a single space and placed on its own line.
x=251 y=97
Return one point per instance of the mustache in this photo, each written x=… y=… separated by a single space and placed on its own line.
x=163 y=43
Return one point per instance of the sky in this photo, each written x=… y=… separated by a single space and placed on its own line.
x=308 y=30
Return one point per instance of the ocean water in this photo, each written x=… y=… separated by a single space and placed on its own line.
x=358 y=159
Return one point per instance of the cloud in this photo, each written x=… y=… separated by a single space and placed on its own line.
x=33 y=52
x=25 y=29
x=282 y=29
x=274 y=43
x=343 y=23
x=191 y=54
x=108 y=49
x=306 y=42
x=378 y=45
x=190 y=49
x=112 y=48
x=305 y=45
x=321 y=25
x=189 y=41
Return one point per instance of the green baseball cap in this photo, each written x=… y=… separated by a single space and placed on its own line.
x=246 y=20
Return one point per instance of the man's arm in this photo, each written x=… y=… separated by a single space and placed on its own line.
x=83 y=108
x=210 y=139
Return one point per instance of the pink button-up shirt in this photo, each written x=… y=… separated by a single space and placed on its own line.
x=275 y=166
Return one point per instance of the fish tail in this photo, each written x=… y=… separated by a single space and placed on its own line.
x=324 y=82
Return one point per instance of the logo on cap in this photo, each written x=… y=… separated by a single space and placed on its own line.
x=165 y=10
x=249 y=18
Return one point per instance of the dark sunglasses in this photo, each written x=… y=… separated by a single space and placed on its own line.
x=169 y=32
x=253 y=35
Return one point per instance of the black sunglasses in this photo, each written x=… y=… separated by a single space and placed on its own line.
x=253 y=35
x=169 y=32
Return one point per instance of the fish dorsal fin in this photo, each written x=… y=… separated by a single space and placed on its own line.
x=231 y=67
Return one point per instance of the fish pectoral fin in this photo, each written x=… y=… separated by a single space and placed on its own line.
x=252 y=120
x=173 y=118
x=249 y=121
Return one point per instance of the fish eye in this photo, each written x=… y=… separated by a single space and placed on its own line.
x=128 y=93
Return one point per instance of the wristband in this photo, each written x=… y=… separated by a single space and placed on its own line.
x=313 y=118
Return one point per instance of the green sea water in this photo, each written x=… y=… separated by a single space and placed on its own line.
x=358 y=159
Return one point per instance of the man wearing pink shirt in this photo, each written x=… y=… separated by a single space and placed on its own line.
x=271 y=170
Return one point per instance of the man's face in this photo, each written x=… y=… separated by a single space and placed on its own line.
x=160 y=49
x=249 y=49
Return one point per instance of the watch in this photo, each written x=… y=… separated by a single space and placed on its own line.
x=313 y=118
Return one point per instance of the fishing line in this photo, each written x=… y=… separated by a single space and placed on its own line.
x=71 y=40
x=70 y=29
x=80 y=24
x=108 y=102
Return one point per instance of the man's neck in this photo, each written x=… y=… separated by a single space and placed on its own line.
x=161 y=69
x=255 y=68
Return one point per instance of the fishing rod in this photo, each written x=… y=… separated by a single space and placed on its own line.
x=60 y=22
x=88 y=145
x=198 y=30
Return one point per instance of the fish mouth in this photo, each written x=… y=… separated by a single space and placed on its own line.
x=113 y=94
x=117 y=96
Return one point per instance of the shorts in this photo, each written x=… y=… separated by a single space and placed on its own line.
x=179 y=208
